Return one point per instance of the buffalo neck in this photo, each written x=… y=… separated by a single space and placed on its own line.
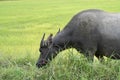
x=63 y=39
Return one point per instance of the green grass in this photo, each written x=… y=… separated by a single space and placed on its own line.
x=22 y=24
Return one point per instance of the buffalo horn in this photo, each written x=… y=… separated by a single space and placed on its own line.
x=42 y=41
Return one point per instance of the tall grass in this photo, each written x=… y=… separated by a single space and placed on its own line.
x=73 y=66
x=23 y=22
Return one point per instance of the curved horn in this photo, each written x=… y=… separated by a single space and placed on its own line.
x=50 y=38
x=42 y=41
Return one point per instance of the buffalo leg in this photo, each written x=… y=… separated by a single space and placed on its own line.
x=89 y=55
x=99 y=56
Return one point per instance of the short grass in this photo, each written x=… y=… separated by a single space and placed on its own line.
x=22 y=24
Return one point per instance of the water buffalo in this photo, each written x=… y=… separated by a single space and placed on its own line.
x=92 y=32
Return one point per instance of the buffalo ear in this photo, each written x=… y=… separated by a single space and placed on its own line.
x=49 y=40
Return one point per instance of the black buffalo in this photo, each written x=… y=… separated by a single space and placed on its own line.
x=92 y=32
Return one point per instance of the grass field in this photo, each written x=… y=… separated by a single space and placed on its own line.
x=23 y=22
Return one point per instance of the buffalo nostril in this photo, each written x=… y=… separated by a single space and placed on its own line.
x=37 y=64
x=41 y=63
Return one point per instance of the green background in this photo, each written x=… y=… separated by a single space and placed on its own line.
x=22 y=24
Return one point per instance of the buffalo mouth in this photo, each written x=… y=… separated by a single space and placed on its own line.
x=41 y=64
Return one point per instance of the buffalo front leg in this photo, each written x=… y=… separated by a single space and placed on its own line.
x=89 y=55
x=88 y=50
x=100 y=57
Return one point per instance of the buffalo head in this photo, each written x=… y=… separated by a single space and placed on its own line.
x=48 y=50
